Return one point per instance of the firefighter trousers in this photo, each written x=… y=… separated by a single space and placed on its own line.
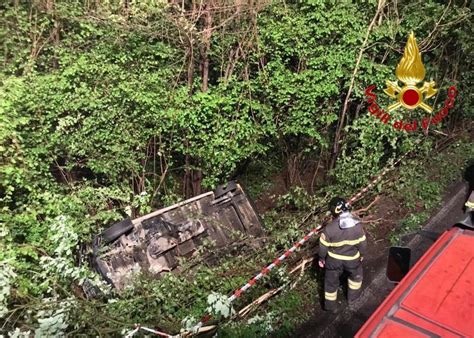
x=334 y=270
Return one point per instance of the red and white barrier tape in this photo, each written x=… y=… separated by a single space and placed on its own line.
x=237 y=293
x=276 y=262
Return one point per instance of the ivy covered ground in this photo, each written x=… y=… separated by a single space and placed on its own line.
x=119 y=107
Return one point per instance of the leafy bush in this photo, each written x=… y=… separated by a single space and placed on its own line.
x=421 y=182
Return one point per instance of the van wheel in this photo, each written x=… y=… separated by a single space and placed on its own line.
x=224 y=189
x=117 y=230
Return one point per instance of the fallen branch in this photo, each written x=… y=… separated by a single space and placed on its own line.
x=302 y=265
x=340 y=124
x=252 y=306
x=373 y=221
x=439 y=132
x=263 y=298
x=202 y=329
x=359 y=211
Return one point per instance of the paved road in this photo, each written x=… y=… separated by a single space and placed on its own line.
x=348 y=321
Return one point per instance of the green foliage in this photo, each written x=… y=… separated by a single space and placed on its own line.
x=284 y=310
x=53 y=322
x=418 y=189
x=223 y=128
x=219 y=306
x=369 y=147
x=6 y=277
x=421 y=182
x=307 y=63
x=257 y=326
x=259 y=175
x=297 y=198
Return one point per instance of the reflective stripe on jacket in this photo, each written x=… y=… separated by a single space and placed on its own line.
x=470 y=201
x=342 y=244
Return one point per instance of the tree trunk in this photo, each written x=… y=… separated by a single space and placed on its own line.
x=190 y=68
x=195 y=176
x=340 y=125
x=205 y=50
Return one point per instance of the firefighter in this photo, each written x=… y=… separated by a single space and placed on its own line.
x=342 y=248
x=470 y=202
x=468 y=217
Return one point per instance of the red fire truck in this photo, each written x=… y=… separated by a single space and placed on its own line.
x=435 y=298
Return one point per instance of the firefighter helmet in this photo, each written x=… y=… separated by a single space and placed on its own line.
x=338 y=205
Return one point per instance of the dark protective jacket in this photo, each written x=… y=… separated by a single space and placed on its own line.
x=343 y=239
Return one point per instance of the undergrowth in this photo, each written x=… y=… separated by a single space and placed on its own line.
x=422 y=181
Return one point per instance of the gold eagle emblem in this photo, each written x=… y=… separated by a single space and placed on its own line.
x=410 y=71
